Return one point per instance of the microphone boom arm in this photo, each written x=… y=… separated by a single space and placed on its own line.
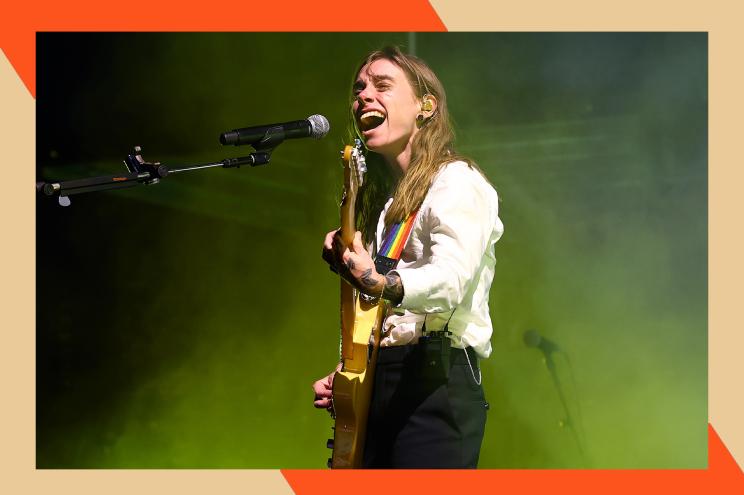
x=142 y=172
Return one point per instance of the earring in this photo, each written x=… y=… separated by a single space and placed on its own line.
x=420 y=118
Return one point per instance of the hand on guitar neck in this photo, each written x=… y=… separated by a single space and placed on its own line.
x=357 y=267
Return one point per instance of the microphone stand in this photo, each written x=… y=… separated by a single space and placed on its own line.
x=142 y=172
x=547 y=350
x=569 y=422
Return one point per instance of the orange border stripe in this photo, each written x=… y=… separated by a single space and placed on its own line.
x=723 y=476
x=21 y=20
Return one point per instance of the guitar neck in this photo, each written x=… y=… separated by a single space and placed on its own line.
x=348 y=213
x=348 y=229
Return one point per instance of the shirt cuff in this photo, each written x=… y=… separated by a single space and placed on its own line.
x=415 y=289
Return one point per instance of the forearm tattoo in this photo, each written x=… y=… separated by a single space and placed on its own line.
x=393 y=288
x=367 y=279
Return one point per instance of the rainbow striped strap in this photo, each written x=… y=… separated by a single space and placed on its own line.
x=392 y=246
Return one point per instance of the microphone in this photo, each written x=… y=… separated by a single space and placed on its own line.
x=315 y=126
x=532 y=338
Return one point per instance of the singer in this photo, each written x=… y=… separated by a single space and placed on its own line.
x=420 y=418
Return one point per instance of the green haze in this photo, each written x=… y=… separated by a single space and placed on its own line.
x=181 y=325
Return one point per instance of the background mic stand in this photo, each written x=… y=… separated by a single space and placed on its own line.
x=533 y=339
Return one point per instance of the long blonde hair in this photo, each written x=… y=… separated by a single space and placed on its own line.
x=432 y=147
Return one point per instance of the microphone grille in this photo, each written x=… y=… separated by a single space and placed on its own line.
x=319 y=126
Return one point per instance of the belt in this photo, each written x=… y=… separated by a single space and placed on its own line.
x=401 y=353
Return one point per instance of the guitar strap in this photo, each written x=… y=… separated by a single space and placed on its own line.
x=392 y=245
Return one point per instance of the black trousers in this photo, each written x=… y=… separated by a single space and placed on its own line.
x=416 y=421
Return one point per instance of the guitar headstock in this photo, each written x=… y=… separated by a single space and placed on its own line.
x=355 y=168
x=354 y=161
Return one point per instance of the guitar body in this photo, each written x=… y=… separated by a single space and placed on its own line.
x=352 y=388
x=360 y=336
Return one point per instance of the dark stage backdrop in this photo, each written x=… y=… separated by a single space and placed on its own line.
x=182 y=324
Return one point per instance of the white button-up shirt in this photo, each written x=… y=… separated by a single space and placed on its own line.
x=448 y=262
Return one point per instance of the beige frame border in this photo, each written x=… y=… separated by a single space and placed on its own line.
x=726 y=269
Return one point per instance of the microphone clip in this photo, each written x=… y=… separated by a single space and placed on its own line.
x=274 y=137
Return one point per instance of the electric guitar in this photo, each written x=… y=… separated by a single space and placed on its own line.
x=361 y=319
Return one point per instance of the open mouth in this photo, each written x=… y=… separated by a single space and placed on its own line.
x=370 y=120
